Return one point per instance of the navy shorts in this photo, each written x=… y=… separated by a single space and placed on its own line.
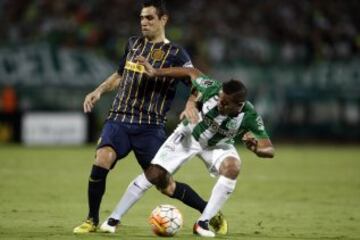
x=144 y=140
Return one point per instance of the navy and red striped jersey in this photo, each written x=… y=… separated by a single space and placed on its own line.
x=144 y=100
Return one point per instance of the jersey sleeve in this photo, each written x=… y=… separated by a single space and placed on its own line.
x=183 y=60
x=255 y=124
x=122 y=61
x=206 y=86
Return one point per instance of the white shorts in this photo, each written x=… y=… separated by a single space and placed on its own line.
x=181 y=146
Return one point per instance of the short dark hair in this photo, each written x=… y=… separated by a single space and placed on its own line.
x=235 y=88
x=158 y=4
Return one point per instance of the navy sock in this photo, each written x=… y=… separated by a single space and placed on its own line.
x=188 y=196
x=96 y=190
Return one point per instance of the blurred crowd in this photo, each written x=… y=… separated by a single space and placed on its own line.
x=213 y=32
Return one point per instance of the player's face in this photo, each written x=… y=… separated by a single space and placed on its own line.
x=228 y=105
x=151 y=25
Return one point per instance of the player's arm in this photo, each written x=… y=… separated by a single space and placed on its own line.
x=265 y=148
x=191 y=112
x=178 y=72
x=111 y=83
x=261 y=147
x=175 y=72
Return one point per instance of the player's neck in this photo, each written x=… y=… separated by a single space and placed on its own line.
x=159 y=38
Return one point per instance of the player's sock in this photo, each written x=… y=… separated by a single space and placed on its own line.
x=96 y=189
x=220 y=193
x=188 y=196
x=134 y=192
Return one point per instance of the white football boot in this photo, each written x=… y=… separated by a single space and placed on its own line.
x=201 y=228
x=109 y=226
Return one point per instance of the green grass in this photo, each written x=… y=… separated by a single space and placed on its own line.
x=304 y=193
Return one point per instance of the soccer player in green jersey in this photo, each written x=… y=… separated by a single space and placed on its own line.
x=223 y=114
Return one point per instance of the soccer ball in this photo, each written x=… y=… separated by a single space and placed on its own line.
x=166 y=220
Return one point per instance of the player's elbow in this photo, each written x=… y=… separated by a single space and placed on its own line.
x=268 y=152
x=271 y=154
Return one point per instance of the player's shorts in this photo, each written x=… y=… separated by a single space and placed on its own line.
x=144 y=140
x=182 y=146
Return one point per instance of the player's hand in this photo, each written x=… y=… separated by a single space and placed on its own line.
x=250 y=142
x=149 y=70
x=90 y=100
x=190 y=112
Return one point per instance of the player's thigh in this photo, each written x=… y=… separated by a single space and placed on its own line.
x=214 y=157
x=145 y=142
x=176 y=150
x=113 y=144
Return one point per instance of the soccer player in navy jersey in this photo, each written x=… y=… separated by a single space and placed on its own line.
x=137 y=117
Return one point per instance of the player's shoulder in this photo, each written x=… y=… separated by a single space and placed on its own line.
x=178 y=49
x=249 y=110
x=249 y=107
x=135 y=39
x=207 y=86
x=179 y=55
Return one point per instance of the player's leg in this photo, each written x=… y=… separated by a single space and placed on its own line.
x=164 y=182
x=178 y=151
x=143 y=150
x=145 y=141
x=227 y=164
x=105 y=157
x=108 y=151
x=185 y=194
x=189 y=197
x=154 y=174
x=133 y=193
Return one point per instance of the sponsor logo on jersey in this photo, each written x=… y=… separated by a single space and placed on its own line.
x=232 y=124
x=260 y=123
x=215 y=127
x=157 y=54
x=204 y=82
x=131 y=66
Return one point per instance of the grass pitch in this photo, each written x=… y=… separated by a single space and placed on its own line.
x=303 y=193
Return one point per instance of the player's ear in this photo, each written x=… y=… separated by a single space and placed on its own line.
x=164 y=18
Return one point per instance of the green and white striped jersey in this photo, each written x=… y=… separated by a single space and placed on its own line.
x=214 y=128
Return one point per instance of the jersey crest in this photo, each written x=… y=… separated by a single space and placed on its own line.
x=233 y=124
x=157 y=54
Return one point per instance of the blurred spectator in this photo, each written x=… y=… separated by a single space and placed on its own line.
x=259 y=31
x=8 y=100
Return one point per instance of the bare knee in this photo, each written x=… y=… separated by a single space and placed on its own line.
x=230 y=167
x=157 y=176
x=105 y=157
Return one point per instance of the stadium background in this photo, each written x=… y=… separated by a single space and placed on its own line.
x=300 y=60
